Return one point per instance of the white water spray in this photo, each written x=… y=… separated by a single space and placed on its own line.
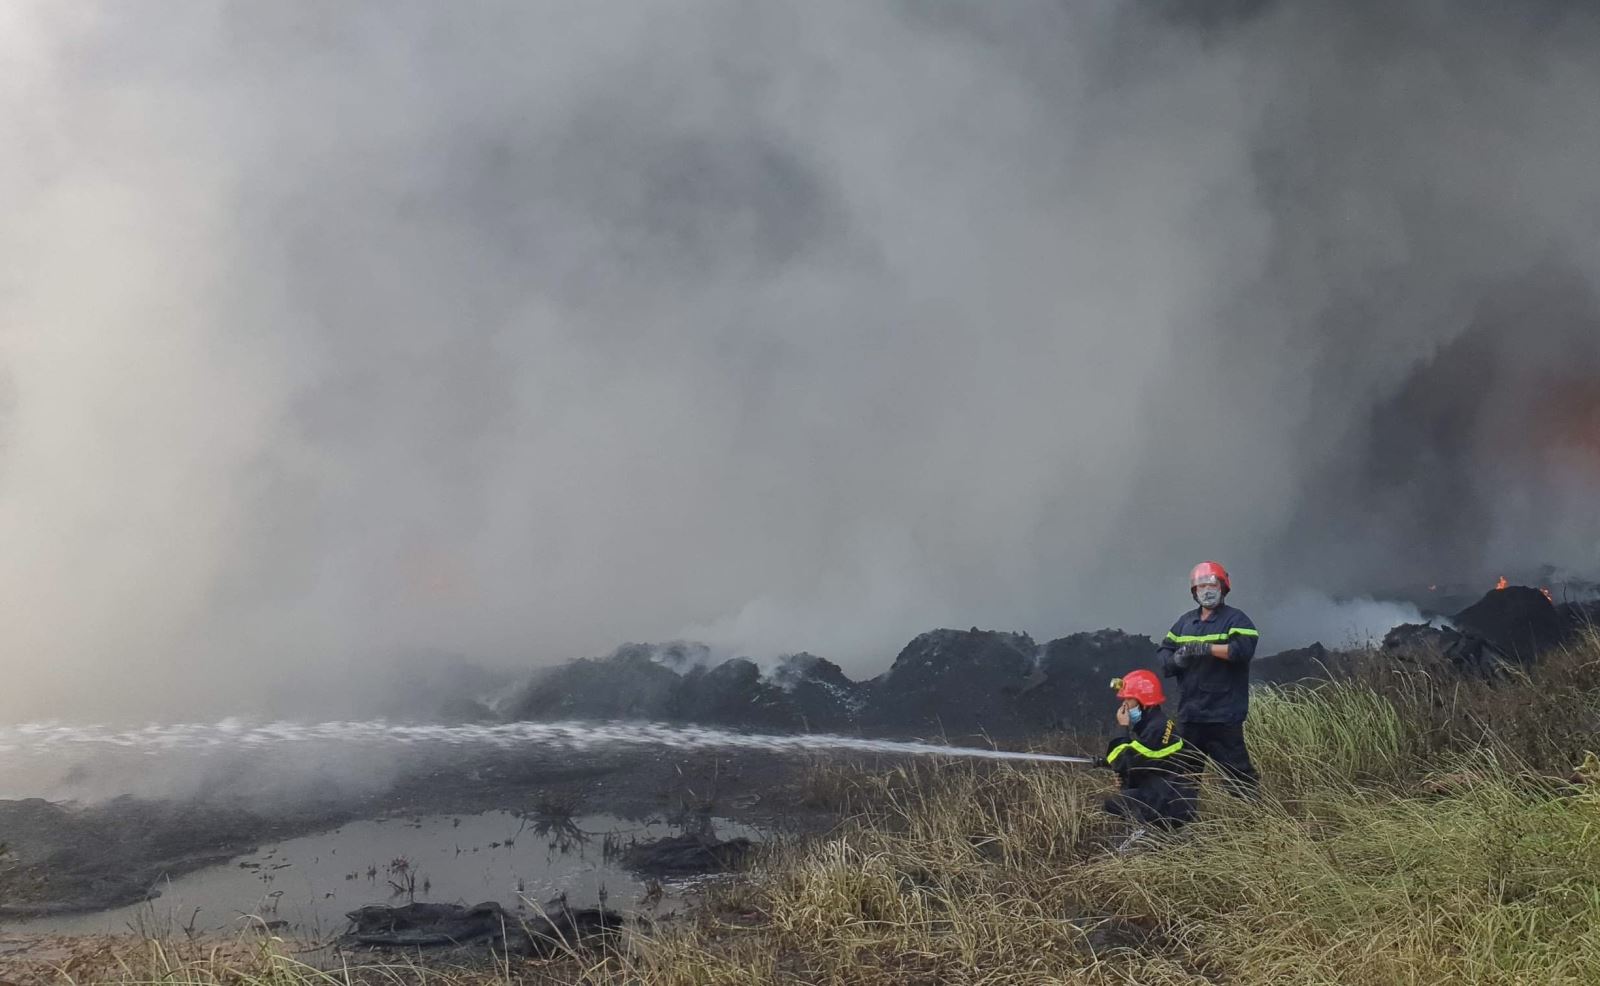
x=43 y=738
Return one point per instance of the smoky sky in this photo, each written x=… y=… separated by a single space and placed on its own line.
x=338 y=337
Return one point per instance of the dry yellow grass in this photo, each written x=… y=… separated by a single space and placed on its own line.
x=1349 y=872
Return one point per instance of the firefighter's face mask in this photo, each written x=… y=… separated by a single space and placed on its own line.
x=1208 y=593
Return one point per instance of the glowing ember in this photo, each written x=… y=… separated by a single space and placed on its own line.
x=1546 y=591
x=1502 y=583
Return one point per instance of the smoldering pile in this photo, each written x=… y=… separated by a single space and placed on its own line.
x=962 y=683
x=955 y=682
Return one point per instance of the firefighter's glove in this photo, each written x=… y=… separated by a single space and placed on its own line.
x=1190 y=653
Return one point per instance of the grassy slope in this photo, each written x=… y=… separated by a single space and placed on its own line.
x=1416 y=831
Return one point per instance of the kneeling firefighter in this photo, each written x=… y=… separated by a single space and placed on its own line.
x=1157 y=772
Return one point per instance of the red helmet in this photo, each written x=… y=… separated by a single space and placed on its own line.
x=1142 y=686
x=1209 y=570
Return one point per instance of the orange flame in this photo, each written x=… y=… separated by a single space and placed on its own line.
x=1546 y=591
x=1502 y=583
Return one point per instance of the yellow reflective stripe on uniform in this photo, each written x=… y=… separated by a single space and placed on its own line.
x=1212 y=638
x=1165 y=751
x=1142 y=750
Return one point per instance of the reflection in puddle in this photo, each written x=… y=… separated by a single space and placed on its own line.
x=303 y=887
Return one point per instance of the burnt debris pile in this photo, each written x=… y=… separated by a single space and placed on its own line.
x=678 y=683
x=956 y=681
x=636 y=682
x=967 y=683
x=1519 y=622
x=1467 y=652
x=1299 y=664
x=950 y=682
x=1068 y=687
x=1508 y=627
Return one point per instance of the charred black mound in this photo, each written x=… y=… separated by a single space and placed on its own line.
x=734 y=693
x=1071 y=684
x=1518 y=621
x=429 y=924
x=675 y=683
x=823 y=695
x=954 y=682
x=630 y=684
x=1300 y=664
x=966 y=682
x=684 y=855
x=963 y=684
x=1420 y=643
x=1510 y=626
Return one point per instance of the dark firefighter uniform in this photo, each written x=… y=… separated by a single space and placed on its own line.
x=1157 y=773
x=1214 y=693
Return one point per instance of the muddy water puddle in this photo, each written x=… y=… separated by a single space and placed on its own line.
x=304 y=887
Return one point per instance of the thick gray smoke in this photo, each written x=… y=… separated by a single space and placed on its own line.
x=340 y=333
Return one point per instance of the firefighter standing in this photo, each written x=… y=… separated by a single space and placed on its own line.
x=1157 y=772
x=1208 y=651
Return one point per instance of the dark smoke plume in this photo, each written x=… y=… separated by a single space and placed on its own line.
x=336 y=334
